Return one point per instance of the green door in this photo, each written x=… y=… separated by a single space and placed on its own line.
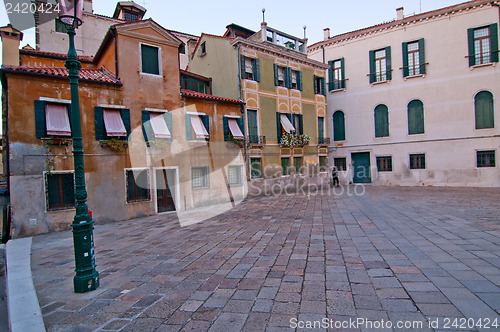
x=361 y=167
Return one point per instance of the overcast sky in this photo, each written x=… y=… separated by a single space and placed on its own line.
x=289 y=16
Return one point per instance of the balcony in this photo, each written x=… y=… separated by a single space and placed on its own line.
x=256 y=140
x=323 y=140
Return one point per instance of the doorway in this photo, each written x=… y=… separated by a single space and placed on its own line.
x=165 y=189
x=361 y=167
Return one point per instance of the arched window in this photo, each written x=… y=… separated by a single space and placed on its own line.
x=415 y=117
x=381 y=121
x=483 y=108
x=338 y=126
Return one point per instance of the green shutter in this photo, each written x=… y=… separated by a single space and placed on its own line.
x=187 y=121
x=316 y=87
x=415 y=117
x=342 y=74
x=299 y=80
x=150 y=62
x=147 y=131
x=70 y=116
x=406 y=70
x=494 y=42
x=276 y=75
x=225 y=124
x=381 y=121
x=388 y=63
x=100 y=131
x=242 y=67
x=472 y=51
x=206 y=122
x=372 y=66
x=252 y=123
x=483 y=108
x=168 y=121
x=323 y=86
x=321 y=128
x=421 y=53
x=330 y=76
x=288 y=77
x=125 y=114
x=338 y=126
x=241 y=124
x=278 y=127
x=40 y=125
x=256 y=70
x=301 y=125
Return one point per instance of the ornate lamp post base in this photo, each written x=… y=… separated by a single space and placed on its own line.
x=86 y=278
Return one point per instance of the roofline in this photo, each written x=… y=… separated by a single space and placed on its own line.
x=5 y=70
x=268 y=47
x=208 y=35
x=205 y=96
x=430 y=14
x=191 y=74
x=60 y=56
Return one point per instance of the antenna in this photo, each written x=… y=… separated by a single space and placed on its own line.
x=420 y=6
x=305 y=27
x=263 y=17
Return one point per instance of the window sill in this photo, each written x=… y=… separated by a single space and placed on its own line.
x=63 y=209
x=232 y=185
x=151 y=75
x=493 y=64
x=414 y=76
x=139 y=201
x=200 y=188
x=379 y=82
x=337 y=90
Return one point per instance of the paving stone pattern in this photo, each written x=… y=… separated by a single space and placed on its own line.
x=392 y=254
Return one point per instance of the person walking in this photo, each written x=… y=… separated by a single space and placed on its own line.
x=335 y=176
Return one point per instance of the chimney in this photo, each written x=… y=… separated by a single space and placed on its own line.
x=326 y=33
x=399 y=13
x=11 y=38
x=87 y=6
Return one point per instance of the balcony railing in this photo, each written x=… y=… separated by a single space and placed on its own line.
x=252 y=139
x=324 y=140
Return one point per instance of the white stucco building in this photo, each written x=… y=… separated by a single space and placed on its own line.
x=412 y=101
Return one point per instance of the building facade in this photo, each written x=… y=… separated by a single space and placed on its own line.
x=150 y=146
x=412 y=102
x=283 y=90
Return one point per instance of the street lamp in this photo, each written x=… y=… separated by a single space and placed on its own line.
x=86 y=278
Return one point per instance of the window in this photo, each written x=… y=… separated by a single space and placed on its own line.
x=415 y=117
x=60 y=26
x=380 y=65
x=296 y=80
x=279 y=75
x=381 y=121
x=336 y=76
x=60 y=191
x=52 y=119
x=111 y=123
x=199 y=177
x=233 y=128
x=269 y=36
x=483 y=44
x=253 y=129
x=483 y=109
x=297 y=124
x=250 y=69
x=156 y=125
x=486 y=158
x=285 y=165
x=137 y=182
x=297 y=165
x=130 y=17
x=413 y=58
x=193 y=84
x=234 y=175
x=203 y=48
x=319 y=85
x=340 y=164
x=323 y=167
x=338 y=126
x=150 y=59
x=321 y=130
x=197 y=127
x=255 y=168
x=384 y=164
x=182 y=48
x=417 y=161
x=284 y=124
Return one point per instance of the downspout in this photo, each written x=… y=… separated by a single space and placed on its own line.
x=245 y=152
x=5 y=134
x=323 y=50
x=113 y=31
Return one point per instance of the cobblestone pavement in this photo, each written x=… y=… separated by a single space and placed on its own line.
x=404 y=255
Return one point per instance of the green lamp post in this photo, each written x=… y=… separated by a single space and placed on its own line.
x=86 y=278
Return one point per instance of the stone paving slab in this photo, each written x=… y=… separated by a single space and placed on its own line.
x=409 y=255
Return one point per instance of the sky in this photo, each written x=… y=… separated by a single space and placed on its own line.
x=196 y=16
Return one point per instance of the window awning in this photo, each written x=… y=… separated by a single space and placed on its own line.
x=199 y=129
x=57 y=119
x=235 y=129
x=159 y=126
x=113 y=123
x=287 y=125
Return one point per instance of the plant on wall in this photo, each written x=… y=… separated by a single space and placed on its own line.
x=114 y=145
x=293 y=140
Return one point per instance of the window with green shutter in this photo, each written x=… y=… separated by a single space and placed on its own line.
x=336 y=75
x=162 y=133
x=253 y=132
x=255 y=168
x=59 y=115
x=60 y=191
x=323 y=167
x=150 y=59
x=381 y=115
x=319 y=85
x=137 y=185
x=338 y=126
x=483 y=109
x=297 y=165
x=380 y=65
x=285 y=164
x=483 y=44
x=101 y=131
x=321 y=130
x=413 y=58
x=415 y=117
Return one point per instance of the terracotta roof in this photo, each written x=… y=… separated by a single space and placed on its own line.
x=86 y=74
x=406 y=20
x=61 y=56
x=194 y=94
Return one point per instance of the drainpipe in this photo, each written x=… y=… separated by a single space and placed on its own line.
x=113 y=32
x=323 y=50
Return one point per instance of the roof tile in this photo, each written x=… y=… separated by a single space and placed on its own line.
x=88 y=74
x=194 y=94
